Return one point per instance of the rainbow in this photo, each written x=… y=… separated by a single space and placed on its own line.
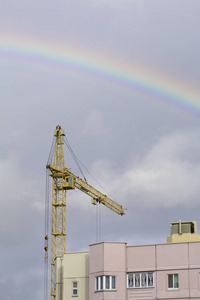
x=131 y=78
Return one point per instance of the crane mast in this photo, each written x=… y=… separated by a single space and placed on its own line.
x=62 y=180
x=58 y=207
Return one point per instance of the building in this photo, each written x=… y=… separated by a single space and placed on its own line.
x=72 y=276
x=117 y=271
x=183 y=232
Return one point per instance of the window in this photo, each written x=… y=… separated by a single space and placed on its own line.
x=140 y=280
x=101 y=282
x=75 y=288
x=199 y=280
x=105 y=283
x=173 y=281
x=113 y=283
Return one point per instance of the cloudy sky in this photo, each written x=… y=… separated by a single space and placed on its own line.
x=122 y=79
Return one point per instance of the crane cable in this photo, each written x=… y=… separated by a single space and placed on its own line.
x=47 y=221
x=46 y=262
x=51 y=151
x=98 y=207
x=74 y=157
x=98 y=222
x=78 y=163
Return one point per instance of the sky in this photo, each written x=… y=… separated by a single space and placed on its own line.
x=122 y=79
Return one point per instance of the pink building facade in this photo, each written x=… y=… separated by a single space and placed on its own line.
x=160 y=271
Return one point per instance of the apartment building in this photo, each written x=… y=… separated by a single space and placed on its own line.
x=117 y=271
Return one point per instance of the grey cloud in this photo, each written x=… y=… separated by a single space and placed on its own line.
x=145 y=154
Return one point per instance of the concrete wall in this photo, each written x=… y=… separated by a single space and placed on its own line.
x=108 y=258
x=118 y=259
x=141 y=259
x=164 y=259
x=73 y=267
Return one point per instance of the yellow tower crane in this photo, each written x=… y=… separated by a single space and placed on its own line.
x=62 y=180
